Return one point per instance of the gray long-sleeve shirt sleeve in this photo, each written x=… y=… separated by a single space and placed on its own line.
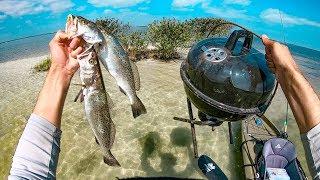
x=311 y=144
x=37 y=153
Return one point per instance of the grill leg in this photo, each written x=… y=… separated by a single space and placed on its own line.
x=193 y=131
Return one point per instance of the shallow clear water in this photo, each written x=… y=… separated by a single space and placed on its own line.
x=151 y=145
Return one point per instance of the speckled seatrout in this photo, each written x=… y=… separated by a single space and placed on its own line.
x=113 y=57
x=96 y=104
x=95 y=98
x=117 y=62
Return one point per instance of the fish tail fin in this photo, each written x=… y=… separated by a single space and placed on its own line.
x=110 y=159
x=138 y=108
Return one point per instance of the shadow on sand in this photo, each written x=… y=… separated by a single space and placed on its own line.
x=87 y=164
x=152 y=147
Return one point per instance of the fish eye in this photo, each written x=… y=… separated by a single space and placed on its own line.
x=91 y=61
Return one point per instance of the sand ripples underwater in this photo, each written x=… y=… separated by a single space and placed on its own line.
x=151 y=145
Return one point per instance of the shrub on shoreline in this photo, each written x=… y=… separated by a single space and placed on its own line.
x=166 y=35
x=200 y=27
x=44 y=65
x=137 y=46
x=112 y=26
x=115 y=27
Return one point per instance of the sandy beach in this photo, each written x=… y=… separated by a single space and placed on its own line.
x=164 y=97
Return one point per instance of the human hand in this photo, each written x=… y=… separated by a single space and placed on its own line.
x=64 y=52
x=278 y=56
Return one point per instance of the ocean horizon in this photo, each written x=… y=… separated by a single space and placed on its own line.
x=35 y=46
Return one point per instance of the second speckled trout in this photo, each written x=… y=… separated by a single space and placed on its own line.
x=116 y=61
x=96 y=104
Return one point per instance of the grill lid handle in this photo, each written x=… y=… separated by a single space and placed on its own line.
x=233 y=39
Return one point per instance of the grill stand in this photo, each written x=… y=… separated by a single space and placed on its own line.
x=193 y=122
x=193 y=130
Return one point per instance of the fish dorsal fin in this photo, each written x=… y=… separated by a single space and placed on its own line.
x=136 y=76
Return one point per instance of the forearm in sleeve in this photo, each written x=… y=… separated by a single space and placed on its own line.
x=37 y=153
x=311 y=144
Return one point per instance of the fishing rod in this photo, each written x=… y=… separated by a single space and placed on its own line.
x=26 y=37
x=285 y=124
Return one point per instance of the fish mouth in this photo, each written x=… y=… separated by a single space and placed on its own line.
x=72 y=26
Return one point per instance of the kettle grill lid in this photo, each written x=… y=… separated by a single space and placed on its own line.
x=228 y=71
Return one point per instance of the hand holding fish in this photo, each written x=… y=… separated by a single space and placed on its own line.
x=64 y=65
x=64 y=52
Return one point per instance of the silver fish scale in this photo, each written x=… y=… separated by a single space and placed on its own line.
x=120 y=55
x=116 y=61
x=96 y=101
x=97 y=112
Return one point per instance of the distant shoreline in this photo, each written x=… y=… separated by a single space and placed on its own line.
x=34 y=56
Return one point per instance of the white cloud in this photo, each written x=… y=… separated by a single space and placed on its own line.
x=273 y=16
x=186 y=9
x=115 y=3
x=24 y=7
x=81 y=8
x=226 y=12
x=238 y=2
x=107 y=11
x=219 y=11
x=143 y=8
x=186 y=3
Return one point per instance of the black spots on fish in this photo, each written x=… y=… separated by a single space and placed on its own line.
x=121 y=90
x=138 y=108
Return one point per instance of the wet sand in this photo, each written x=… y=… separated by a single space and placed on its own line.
x=151 y=145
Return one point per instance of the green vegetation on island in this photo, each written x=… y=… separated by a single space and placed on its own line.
x=44 y=65
x=164 y=37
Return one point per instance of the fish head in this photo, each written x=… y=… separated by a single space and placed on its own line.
x=78 y=26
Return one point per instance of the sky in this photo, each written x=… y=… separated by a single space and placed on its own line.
x=292 y=21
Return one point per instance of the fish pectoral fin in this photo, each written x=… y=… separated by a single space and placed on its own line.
x=136 y=76
x=81 y=97
x=97 y=140
x=78 y=95
x=121 y=90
